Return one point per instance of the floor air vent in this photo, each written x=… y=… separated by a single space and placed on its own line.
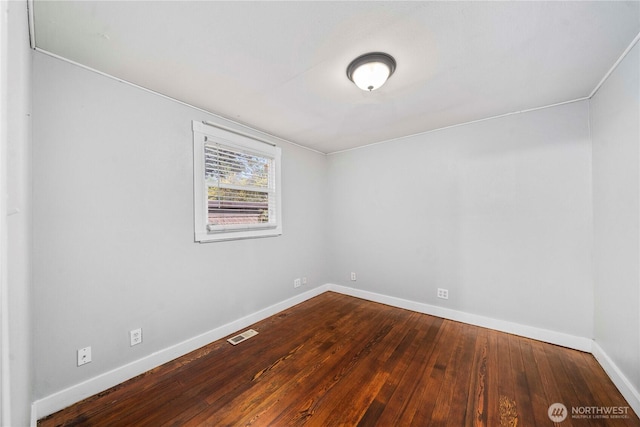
x=242 y=337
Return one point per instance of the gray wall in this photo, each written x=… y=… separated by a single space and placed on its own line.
x=615 y=130
x=18 y=202
x=113 y=228
x=497 y=212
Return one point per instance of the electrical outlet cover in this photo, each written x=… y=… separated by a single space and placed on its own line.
x=84 y=356
x=443 y=293
x=135 y=336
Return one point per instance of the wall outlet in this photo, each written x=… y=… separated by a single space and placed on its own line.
x=443 y=293
x=84 y=356
x=353 y=276
x=135 y=336
x=304 y=280
x=296 y=283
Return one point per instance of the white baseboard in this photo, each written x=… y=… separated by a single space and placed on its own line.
x=75 y=393
x=623 y=384
x=558 y=338
x=63 y=398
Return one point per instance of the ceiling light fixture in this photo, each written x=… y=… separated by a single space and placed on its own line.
x=371 y=70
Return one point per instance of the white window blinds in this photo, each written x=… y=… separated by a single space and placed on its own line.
x=240 y=188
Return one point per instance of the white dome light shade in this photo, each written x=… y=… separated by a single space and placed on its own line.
x=371 y=76
x=370 y=71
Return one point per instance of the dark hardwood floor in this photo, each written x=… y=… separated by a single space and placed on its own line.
x=338 y=360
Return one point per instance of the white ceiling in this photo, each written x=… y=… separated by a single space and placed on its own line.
x=281 y=66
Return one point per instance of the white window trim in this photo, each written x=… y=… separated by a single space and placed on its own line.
x=203 y=131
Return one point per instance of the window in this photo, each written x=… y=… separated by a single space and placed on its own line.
x=236 y=185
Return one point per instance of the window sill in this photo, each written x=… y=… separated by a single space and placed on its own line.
x=237 y=235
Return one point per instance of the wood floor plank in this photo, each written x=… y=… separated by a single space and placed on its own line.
x=333 y=370
x=339 y=360
x=370 y=387
x=425 y=401
x=550 y=386
x=493 y=398
x=507 y=406
x=522 y=391
x=477 y=400
x=459 y=411
x=420 y=367
x=568 y=393
x=536 y=394
x=406 y=373
x=395 y=367
x=452 y=364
